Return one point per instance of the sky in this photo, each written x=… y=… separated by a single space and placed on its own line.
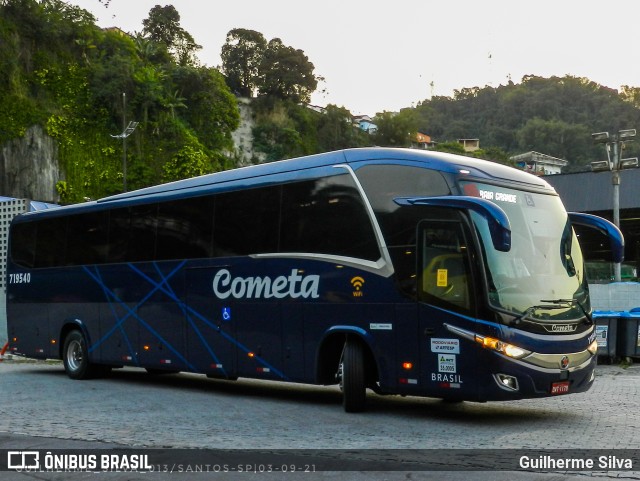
x=386 y=55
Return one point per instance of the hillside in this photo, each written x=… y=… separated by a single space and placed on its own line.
x=69 y=88
x=83 y=85
x=555 y=116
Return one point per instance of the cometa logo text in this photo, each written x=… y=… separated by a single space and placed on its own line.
x=294 y=285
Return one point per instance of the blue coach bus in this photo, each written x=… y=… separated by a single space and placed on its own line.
x=399 y=271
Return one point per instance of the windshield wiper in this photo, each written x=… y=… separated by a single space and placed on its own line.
x=530 y=310
x=570 y=303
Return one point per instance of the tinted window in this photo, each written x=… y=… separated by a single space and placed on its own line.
x=142 y=235
x=445 y=273
x=87 y=238
x=185 y=229
x=383 y=183
x=118 y=235
x=327 y=216
x=51 y=242
x=132 y=234
x=246 y=222
x=23 y=244
x=321 y=216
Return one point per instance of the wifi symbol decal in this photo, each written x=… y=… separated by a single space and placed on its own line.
x=357 y=283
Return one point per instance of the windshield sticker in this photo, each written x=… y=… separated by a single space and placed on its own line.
x=447 y=363
x=529 y=199
x=499 y=196
x=441 y=280
x=445 y=345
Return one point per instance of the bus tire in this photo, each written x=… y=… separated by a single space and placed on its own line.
x=354 y=388
x=76 y=357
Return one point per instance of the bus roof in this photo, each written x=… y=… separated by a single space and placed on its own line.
x=437 y=160
x=290 y=169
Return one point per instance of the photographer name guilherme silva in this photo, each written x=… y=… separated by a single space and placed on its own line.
x=549 y=462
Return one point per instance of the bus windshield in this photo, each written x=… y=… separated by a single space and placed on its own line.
x=542 y=276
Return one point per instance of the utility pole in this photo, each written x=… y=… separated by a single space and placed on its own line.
x=127 y=130
x=614 y=145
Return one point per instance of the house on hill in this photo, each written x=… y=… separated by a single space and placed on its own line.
x=364 y=122
x=470 y=145
x=539 y=164
x=422 y=141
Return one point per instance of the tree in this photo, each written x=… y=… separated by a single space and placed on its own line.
x=396 y=129
x=495 y=154
x=190 y=161
x=211 y=110
x=149 y=91
x=282 y=129
x=631 y=95
x=163 y=26
x=241 y=55
x=336 y=130
x=185 y=48
x=451 y=147
x=174 y=101
x=564 y=140
x=286 y=73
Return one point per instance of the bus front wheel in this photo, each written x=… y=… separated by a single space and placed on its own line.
x=76 y=359
x=354 y=388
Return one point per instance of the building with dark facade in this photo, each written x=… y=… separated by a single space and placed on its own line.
x=592 y=192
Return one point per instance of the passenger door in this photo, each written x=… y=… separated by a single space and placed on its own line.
x=446 y=297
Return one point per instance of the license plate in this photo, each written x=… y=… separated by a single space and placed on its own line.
x=561 y=387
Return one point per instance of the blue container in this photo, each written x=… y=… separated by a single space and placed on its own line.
x=629 y=341
x=607 y=330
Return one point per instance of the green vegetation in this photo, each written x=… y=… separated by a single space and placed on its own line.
x=555 y=116
x=82 y=84
x=282 y=79
x=59 y=70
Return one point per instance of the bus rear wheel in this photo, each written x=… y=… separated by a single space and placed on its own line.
x=354 y=388
x=76 y=358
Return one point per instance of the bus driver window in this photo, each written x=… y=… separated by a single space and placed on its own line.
x=444 y=269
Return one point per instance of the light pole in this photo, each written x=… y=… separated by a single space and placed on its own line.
x=614 y=146
x=127 y=130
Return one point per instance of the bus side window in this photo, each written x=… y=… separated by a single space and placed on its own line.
x=23 y=244
x=327 y=216
x=51 y=242
x=142 y=241
x=119 y=233
x=185 y=229
x=445 y=277
x=246 y=222
x=132 y=233
x=87 y=239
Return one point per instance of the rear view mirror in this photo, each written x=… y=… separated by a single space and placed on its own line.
x=499 y=225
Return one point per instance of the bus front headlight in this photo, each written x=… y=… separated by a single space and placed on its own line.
x=501 y=347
